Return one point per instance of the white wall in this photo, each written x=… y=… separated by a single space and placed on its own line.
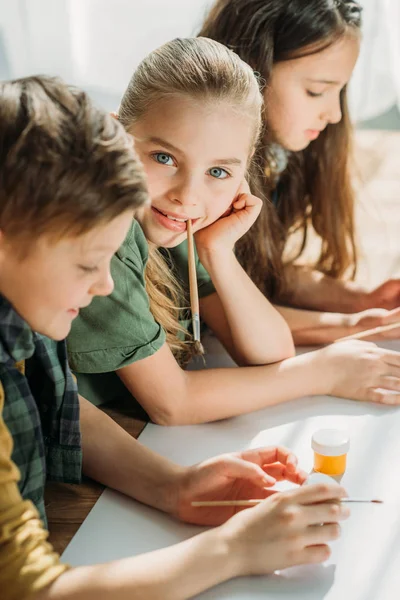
x=96 y=44
x=376 y=80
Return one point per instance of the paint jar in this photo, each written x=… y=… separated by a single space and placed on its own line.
x=330 y=451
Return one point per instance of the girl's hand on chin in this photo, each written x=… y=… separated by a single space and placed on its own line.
x=232 y=225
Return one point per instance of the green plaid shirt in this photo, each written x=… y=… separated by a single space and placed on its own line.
x=41 y=408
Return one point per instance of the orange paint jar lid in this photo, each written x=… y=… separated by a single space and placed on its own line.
x=330 y=442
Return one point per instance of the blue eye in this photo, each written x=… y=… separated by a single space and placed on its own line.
x=163 y=158
x=219 y=173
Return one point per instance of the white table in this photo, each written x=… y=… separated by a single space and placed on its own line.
x=365 y=562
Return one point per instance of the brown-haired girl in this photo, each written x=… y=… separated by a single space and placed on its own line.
x=305 y=53
x=194 y=109
x=69 y=184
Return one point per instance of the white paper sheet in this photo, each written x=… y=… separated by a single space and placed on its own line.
x=365 y=562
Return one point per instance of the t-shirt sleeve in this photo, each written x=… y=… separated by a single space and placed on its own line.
x=117 y=330
x=178 y=258
x=28 y=562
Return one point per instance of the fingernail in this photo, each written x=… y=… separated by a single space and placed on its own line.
x=269 y=480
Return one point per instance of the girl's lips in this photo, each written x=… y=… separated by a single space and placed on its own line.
x=312 y=133
x=73 y=312
x=177 y=226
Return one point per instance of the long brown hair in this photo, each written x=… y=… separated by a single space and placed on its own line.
x=315 y=189
x=201 y=69
x=65 y=166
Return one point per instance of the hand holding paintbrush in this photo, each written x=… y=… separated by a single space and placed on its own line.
x=370 y=332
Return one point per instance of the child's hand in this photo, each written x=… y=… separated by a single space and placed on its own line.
x=375 y=317
x=287 y=529
x=387 y=295
x=240 y=476
x=224 y=233
x=358 y=370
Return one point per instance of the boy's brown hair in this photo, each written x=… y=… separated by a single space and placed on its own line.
x=65 y=166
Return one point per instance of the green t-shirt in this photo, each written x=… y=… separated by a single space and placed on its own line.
x=117 y=330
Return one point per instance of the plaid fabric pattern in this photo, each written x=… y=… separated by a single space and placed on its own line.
x=41 y=408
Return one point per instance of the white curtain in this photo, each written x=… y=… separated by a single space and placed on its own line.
x=375 y=85
x=96 y=44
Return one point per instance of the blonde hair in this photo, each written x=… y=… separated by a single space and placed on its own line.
x=204 y=70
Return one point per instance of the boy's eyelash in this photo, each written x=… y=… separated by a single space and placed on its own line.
x=313 y=94
x=88 y=269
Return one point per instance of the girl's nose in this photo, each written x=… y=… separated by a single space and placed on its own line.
x=334 y=113
x=185 y=193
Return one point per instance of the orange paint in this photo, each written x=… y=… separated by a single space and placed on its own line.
x=330 y=465
x=330 y=451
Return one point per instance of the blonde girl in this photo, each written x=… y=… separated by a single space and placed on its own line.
x=194 y=110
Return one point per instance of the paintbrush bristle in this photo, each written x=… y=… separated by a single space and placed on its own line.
x=198 y=348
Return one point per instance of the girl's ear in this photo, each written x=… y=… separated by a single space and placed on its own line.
x=115 y=115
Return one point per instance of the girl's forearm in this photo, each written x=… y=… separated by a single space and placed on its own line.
x=311 y=289
x=217 y=394
x=191 y=397
x=259 y=333
x=310 y=327
x=174 y=573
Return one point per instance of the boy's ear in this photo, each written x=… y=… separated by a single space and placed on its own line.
x=2 y=246
x=115 y=115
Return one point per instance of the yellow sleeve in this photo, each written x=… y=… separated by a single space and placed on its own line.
x=28 y=562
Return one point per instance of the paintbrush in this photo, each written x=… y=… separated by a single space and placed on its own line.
x=193 y=289
x=256 y=501
x=368 y=332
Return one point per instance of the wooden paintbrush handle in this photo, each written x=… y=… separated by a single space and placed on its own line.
x=194 y=295
x=258 y=501
x=362 y=334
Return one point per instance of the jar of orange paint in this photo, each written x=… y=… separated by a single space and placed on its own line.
x=330 y=451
